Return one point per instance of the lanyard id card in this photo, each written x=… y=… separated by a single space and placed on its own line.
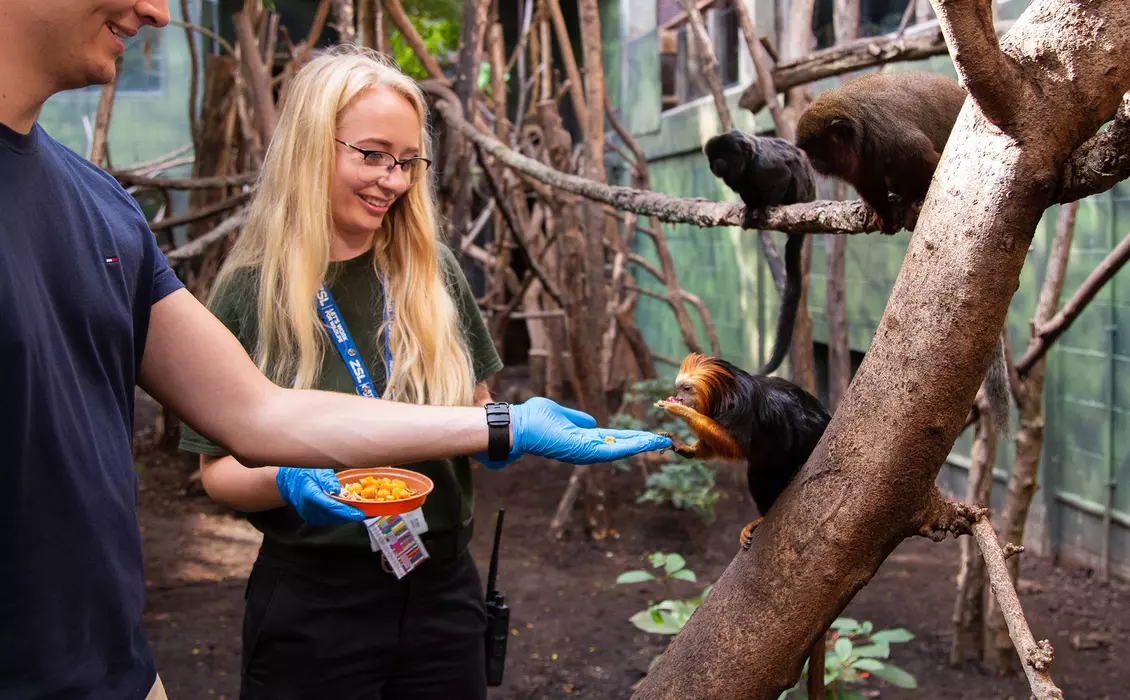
x=396 y=536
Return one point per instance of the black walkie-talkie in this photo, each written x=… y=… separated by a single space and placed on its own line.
x=498 y=616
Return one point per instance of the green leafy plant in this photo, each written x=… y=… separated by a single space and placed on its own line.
x=685 y=485
x=666 y=616
x=855 y=652
x=854 y=655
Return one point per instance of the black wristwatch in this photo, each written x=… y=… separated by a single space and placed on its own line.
x=498 y=427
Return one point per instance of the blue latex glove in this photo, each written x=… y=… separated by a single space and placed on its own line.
x=304 y=489
x=546 y=429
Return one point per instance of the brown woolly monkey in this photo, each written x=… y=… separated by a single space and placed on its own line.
x=769 y=422
x=767 y=171
x=884 y=133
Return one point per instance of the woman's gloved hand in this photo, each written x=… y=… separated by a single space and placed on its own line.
x=547 y=429
x=305 y=490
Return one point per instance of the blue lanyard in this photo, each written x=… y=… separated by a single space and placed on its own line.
x=331 y=316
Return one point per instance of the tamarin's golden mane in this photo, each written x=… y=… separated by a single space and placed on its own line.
x=710 y=378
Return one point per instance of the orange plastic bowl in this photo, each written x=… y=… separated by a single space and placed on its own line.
x=415 y=480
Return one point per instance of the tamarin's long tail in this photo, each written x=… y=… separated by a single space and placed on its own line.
x=998 y=393
x=789 y=302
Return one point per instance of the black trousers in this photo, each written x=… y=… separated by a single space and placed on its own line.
x=336 y=626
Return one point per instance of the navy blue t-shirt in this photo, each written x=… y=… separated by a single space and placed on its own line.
x=79 y=271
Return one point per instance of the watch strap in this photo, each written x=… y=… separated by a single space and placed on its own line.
x=498 y=430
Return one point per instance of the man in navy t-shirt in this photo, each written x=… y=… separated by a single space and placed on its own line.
x=88 y=309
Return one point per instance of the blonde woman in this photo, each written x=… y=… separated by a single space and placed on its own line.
x=343 y=226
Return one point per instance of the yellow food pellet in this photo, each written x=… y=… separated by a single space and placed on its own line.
x=610 y=439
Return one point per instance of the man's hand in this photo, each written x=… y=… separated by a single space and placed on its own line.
x=303 y=489
x=546 y=429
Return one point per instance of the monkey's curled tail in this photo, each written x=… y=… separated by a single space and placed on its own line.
x=789 y=302
x=998 y=393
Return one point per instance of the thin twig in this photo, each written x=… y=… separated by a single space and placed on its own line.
x=1047 y=334
x=1036 y=657
x=190 y=183
x=709 y=62
x=199 y=246
x=414 y=40
x=206 y=32
x=201 y=213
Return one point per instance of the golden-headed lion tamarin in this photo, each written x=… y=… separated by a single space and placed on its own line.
x=770 y=422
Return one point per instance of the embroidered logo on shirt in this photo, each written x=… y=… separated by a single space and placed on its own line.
x=112 y=259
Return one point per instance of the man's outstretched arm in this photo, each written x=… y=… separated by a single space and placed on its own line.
x=197 y=368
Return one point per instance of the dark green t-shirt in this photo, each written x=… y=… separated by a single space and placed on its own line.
x=356 y=288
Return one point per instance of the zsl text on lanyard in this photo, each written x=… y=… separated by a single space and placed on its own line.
x=397 y=536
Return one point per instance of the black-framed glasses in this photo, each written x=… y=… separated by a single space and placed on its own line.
x=413 y=167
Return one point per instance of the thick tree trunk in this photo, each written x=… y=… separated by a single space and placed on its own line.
x=999 y=652
x=969 y=604
x=870 y=482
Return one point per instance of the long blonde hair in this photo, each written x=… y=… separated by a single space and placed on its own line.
x=287 y=235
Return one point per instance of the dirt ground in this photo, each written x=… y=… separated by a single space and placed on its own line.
x=571 y=637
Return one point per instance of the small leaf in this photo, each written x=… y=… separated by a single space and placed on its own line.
x=674 y=563
x=878 y=650
x=866 y=628
x=635 y=576
x=869 y=665
x=850 y=694
x=685 y=575
x=895 y=676
x=843 y=647
x=269 y=5
x=845 y=624
x=898 y=634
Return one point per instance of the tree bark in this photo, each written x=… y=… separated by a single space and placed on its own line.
x=869 y=483
x=999 y=653
x=969 y=604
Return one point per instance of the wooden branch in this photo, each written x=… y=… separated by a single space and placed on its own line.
x=258 y=77
x=321 y=15
x=1047 y=334
x=224 y=44
x=1036 y=657
x=764 y=78
x=199 y=246
x=201 y=213
x=516 y=228
x=824 y=217
x=414 y=40
x=194 y=78
x=1101 y=162
x=576 y=87
x=922 y=41
x=98 y=144
x=710 y=62
x=190 y=183
x=992 y=79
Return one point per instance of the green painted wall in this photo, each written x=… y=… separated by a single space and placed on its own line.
x=1087 y=397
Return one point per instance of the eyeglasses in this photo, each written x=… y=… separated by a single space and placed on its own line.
x=413 y=167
